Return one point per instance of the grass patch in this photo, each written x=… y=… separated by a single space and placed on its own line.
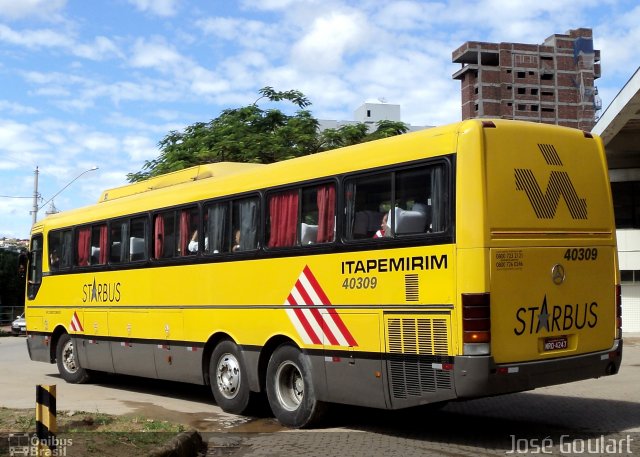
x=93 y=433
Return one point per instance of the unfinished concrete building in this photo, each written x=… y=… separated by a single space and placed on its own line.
x=552 y=82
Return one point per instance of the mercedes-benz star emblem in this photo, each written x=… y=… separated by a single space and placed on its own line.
x=557 y=274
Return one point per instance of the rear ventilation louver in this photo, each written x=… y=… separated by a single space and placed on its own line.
x=415 y=345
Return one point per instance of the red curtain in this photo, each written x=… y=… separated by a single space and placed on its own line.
x=283 y=215
x=103 y=244
x=326 y=213
x=159 y=237
x=84 y=245
x=184 y=232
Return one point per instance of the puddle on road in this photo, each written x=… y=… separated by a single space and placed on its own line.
x=206 y=421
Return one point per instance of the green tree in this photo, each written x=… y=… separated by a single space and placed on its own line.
x=245 y=134
x=255 y=135
x=11 y=284
x=356 y=133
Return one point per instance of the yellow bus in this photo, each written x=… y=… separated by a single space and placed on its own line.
x=456 y=262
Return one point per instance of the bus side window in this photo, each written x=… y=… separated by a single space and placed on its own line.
x=215 y=227
x=244 y=220
x=164 y=235
x=119 y=247
x=137 y=239
x=283 y=219
x=99 y=244
x=367 y=199
x=189 y=220
x=60 y=250
x=318 y=214
x=83 y=245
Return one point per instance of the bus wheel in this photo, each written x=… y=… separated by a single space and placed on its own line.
x=228 y=378
x=67 y=360
x=290 y=388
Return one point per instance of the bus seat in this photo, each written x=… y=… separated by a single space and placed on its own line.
x=366 y=223
x=95 y=255
x=410 y=221
x=136 y=248
x=308 y=234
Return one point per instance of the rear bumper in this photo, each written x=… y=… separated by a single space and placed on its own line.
x=478 y=376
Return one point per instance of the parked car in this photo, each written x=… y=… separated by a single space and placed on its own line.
x=19 y=326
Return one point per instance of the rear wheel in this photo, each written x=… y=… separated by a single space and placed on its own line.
x=67 y=361
x=228 y=378
x=290 y=388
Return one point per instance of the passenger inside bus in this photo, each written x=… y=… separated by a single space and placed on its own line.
x=383 y=227
x=193 y=243
x=236 y=240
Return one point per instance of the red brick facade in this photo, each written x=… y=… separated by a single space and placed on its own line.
x=552 y=82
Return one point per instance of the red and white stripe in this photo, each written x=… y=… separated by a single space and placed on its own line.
x=76 y=326
x=313 y=315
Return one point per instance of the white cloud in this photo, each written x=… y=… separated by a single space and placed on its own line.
x=42 y=38
x=408 y=15
x=163 y=8
x=20 y=9
x=101 y=48
x=618 y=38
x=140 y=148
x=247 y=33
x=205 y=82
x=274 y=4
x=16 y=108
x=155 y=53
x=97 y=141
x=19 y=140
x=330 y=38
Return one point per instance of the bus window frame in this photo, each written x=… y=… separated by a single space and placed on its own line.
x=62 y=267
x=229 y=200
x=34 y=267
x=428 y=238
x=176 y=210
x=300 y=186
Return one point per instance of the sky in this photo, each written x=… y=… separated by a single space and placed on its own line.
x=99 y=83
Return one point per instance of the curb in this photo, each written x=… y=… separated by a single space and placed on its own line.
x=186 y=444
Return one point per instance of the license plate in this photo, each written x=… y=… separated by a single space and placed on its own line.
x=556 y=343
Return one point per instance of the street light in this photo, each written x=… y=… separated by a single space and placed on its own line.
x=37 y=207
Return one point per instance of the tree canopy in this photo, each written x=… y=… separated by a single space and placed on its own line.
x=256 y=135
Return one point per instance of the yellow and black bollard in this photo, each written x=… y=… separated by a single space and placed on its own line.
x=46 y=427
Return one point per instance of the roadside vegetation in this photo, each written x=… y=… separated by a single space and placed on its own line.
x=93 y=433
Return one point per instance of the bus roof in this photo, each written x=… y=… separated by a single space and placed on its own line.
x=227 y=178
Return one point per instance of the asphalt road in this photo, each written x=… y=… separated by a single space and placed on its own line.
x=594 y=417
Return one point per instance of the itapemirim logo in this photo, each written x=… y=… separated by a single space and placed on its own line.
x=545 y=203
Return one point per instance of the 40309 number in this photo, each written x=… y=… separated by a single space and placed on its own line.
x=576 y=254
x=360 y=283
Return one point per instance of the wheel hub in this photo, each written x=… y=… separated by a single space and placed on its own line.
x=228 y=376
x=68 y=358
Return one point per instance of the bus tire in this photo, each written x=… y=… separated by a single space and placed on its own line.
x=228 y=378
x=67 y=361
x=290 y=388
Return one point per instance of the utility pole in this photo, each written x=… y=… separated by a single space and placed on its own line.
x=34 y=211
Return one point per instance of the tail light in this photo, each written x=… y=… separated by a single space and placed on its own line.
x=618 y=311
x=476 y=323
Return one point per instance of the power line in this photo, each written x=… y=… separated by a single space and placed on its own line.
x=12 y=196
